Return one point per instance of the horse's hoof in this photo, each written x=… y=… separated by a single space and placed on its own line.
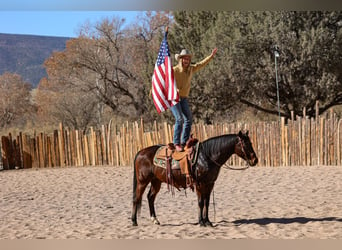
x=208 y=223
x=134 y=224
x=155 y=221
x=202 y=224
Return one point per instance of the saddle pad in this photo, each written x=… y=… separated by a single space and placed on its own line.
x=160 y=159
x=164 y=152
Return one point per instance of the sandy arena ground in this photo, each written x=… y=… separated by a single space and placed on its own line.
x=96 y=202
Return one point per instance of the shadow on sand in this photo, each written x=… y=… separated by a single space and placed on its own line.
x=262 y=221
x=266 y=221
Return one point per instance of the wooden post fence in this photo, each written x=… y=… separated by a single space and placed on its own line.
x=301 y=141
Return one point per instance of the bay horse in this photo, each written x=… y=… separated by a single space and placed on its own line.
x=212 y=154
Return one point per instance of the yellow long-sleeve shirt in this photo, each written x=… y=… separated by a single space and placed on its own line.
x=183 y=77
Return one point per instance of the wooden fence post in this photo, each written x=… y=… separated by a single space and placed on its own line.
x=61 y=145
x=339 y=143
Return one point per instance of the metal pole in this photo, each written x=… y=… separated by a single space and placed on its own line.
x=276 y=54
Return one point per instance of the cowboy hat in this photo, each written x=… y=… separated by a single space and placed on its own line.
x=183 y=53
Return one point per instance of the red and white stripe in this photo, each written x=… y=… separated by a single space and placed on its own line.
x=164 y=88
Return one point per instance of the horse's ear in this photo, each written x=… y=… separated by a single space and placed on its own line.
x=240 y=133
x=247 y=132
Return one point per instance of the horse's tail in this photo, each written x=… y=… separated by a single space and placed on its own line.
x=135 y=183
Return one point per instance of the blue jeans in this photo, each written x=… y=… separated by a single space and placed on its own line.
x=183 y=116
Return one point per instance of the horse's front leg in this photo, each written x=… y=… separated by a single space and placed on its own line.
x=151 y=196
x=200 y=211
x=203 y=203
x=206 y=220
x=200 y=200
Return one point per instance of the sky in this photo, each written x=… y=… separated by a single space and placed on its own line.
x=56 y=23
x=94 y=5
x=65 y=17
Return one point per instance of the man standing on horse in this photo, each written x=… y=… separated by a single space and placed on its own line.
x=183 y=73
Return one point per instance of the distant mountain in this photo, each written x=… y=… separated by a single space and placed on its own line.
x=25 y=54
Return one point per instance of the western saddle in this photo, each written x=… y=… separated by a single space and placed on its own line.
x=167 y=157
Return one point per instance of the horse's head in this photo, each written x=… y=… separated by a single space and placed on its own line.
x=245 y=150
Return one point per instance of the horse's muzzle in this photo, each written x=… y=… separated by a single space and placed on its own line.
x=252 y=162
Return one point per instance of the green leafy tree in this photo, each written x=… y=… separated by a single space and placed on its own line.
x=194 y=30
x=308 y=66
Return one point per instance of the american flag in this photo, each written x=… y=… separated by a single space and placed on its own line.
x=164 y=89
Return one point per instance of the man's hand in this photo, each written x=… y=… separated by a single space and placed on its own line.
x=214 y=52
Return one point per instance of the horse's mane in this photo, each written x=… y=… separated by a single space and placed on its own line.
x=211 y=145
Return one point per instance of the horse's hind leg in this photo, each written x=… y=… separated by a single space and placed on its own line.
x=151 y=196
x=137 y=201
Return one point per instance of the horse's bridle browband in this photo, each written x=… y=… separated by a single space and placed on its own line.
x=243 y=149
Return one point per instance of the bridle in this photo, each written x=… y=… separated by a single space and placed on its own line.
x=244 y=154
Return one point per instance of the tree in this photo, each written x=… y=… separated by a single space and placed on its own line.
x=15 y=103
x=195 y=30
x=110 y=62
x=243 y=71
x=61 y=102
x=108 y=67
x=309 y=62
x=113 y=62
x=147 y=35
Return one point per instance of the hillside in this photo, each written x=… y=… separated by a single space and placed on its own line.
x=25 y=54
